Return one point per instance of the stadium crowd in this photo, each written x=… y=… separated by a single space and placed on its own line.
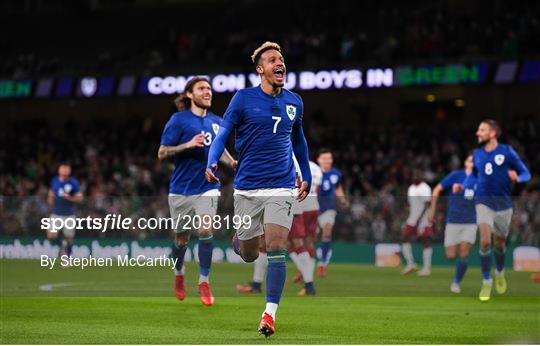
x=313 y=35
x=119 y=173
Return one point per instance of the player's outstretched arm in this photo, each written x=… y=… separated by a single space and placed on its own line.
x=216 y=150
x=300 y=149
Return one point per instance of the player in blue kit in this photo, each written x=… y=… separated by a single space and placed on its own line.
x=460 y=231
x=331 y=188
x=186 y=138
x=268 y=124
x=496 y=167
x=64 y=193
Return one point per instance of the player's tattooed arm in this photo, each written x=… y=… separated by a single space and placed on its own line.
x=166 y=151
x=434 y=198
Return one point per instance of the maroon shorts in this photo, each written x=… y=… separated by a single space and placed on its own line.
x=424 y=232
x=297 y=229
x=311 y=222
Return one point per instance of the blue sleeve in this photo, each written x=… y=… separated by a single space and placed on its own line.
x=523 y=173
x=218 y=145
x=171 y=133
x=51 y=184
x=300 y=149
x=233 y=114
x=448 y=181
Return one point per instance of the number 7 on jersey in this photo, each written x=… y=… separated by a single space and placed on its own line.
x=277 y=119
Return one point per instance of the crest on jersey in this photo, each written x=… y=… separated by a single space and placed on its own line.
x=215 y=127
x=499 y=159
x=67 y=188
x=334 y=179
x=291 y=111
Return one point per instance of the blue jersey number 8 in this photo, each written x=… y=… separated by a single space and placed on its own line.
x=488 y=169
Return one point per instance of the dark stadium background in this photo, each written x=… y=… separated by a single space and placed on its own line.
x=378 y=135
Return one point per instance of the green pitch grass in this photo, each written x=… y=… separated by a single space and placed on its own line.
x=356 y=304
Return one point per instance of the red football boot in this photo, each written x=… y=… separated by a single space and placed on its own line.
x=266 y=327
x=179 y=288
x=298 y=279
x=206 y=294
x=252 y=287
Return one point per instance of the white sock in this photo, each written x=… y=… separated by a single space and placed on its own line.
x=426 y=254
x=181 y=271
x=499 y=272
x=406 y=249
x=488 y=281
x=312 y=265
x=294 y=258
x=259 y=268
x=271 y=309
x=304 y=265
x=202 y=279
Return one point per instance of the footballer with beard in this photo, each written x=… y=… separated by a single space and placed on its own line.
x=495 y=167
x=186 y=139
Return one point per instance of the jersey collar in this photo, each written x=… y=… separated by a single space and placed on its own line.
x=259 y=88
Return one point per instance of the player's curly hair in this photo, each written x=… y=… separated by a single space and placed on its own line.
x=182 y=101
x=494 y=126
x=263 y=48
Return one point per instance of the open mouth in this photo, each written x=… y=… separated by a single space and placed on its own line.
x=279 y=72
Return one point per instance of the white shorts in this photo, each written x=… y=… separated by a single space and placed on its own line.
x=66 y=231
x=263 y=206
x=311 y=203
x=456 y=233
x=421 y=223
x=203 y=204
x=297 y=207
x=328 y=217
x=499 y=221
